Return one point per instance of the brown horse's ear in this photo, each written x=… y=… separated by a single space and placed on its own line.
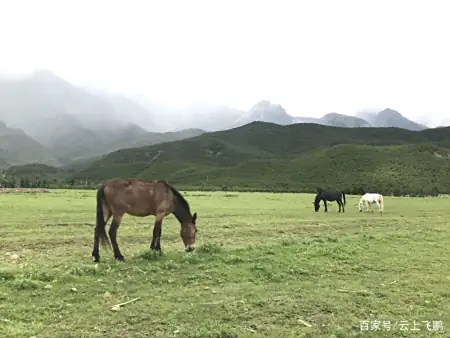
x=194 y=218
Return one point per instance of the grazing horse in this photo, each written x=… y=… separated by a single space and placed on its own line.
x=366 y=201
x=329 y=195
x=120 y=196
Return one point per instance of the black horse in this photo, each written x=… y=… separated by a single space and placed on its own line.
x=329 y=195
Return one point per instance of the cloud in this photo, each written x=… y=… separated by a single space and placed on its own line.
x=312 y=57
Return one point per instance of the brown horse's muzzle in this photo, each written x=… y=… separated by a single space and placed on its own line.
x=189 y=248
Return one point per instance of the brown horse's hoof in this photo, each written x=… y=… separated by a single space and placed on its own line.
x=157 y=252
x=95 y=256
x=120 y=258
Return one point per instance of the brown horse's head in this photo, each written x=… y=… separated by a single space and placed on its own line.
x=188 y=232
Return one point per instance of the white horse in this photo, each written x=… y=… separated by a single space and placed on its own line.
x=368 y=199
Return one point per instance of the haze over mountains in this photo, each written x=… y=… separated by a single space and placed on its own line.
x=45 y=119
x=445 y=123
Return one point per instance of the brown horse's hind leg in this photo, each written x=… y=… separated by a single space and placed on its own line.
x=155 y=244
x=113 y=236
x=95 y=250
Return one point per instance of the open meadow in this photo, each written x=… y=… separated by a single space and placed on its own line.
x=266 y=265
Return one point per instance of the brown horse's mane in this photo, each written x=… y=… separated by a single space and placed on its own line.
x=176 y=193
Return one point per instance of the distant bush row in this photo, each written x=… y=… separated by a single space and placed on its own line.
x=429 y=190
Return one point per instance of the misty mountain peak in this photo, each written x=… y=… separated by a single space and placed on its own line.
x=341 y=120
x=392 y=118
x=262 y=104
x=44 y=75
x=48 y=83
x=265 y=111
x=333 y=115
x=388 y=112
x=270 y=112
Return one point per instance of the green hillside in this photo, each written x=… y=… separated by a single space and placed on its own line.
x=32 y=175
x=264 y=156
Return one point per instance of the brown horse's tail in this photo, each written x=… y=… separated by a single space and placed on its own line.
x=100 y=224
x=343 y=196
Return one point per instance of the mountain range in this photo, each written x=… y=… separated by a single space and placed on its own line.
x=60 y=123
x=47 y=120
x=268 y=157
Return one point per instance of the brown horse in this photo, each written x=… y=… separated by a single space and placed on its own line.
x=120 y=196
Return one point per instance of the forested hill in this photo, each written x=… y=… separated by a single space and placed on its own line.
x=299 y=157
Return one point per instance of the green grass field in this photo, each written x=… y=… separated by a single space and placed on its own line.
x=266 y=265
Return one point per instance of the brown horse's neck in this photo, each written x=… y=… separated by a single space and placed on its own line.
x=182 y=214
x=180 y=207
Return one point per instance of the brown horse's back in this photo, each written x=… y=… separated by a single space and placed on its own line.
x=136 y=197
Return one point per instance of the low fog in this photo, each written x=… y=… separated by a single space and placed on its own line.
x=172 y=66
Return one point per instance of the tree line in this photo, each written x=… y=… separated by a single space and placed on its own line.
x=351 y=189
x=24 y=182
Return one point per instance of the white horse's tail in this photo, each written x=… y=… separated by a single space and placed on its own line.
x=381 y=203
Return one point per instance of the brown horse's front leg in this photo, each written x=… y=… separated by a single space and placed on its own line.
x=155 y=245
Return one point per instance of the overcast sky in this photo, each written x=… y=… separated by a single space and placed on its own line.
x=312 y=57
